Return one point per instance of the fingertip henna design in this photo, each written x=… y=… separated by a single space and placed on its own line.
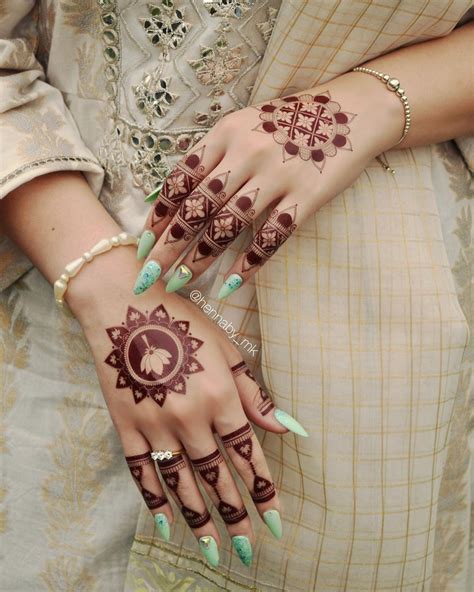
x=226 y=225
x=135 y=464
x=312 y=127
x=198 y=208
x=262 y=399
x=188 y=173
x=170 y=470
x=153 y=353
x=208 y=468
x=273 y=233
x=241 y=441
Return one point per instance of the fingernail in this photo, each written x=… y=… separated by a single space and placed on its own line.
x=209 y=549
x=163 y=525
x=231 y=284
x=244 y=549
x=273 y=521
x=151 y=197
x=290 y=423
x=147 y=240
x=148 y=275
x=180 y=278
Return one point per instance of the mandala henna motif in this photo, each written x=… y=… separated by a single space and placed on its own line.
x=241 y=441
x=208 y=468
x=312 y=127
x=198 y=208
x=273 y=233
x=178 y=185
x=262 y=399
x=170 y=471
x=135 y=464
x=153 y=354
x=226 y=225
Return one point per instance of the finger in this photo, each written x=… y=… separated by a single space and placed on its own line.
x=247 y=456
x=276 y=229
x=182 y=180
x=143 y=471
x=193 y=215
x=181 y=482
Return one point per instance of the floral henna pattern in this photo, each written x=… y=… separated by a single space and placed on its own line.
x=179 y=184
x=208 y=468
x=198 y=208
x=262 y=400
x=273 y=233
x=312 y=127
x=154 y=354
x=241 y=441
x=226 y=225
x=170 y=470
x=135 y=464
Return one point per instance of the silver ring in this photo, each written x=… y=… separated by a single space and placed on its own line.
x=165 y=454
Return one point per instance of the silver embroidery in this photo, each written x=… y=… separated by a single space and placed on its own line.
x=228 y=8
x=153 y=96
x=166 y=27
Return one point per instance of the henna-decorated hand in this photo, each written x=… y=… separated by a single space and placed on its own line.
x=294 y=153
x=172 y=380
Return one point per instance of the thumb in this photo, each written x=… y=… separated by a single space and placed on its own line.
x=258 y=404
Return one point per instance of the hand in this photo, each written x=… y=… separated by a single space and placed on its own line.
x=172 y=380
x=293 y=154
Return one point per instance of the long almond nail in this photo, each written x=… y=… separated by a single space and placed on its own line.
x=244 y=549
x=153 y=196
x=163 y=525
x=180 y=278
x=290 y=423
x=147 y=240
x=148 y=275
x=209 y=549
x=273 y=521
x=231 y=284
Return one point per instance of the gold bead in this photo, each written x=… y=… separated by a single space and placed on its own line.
x=393 y=84
x=64 y=277
x=115 y=241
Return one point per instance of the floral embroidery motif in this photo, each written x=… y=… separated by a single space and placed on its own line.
x=153 y=96
x=306 y=126
x=219 y=64
x=166 y=27
x=228 y=8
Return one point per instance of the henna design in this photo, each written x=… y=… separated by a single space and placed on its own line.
x=241 y=441
x=226 y=225
x=135 y=464
x=170 y=470
x=198 y=208
x=179 y=183
x=208 y=468
x=313 y=127
x=262 y=399
x=272 y=234
x=153 y=354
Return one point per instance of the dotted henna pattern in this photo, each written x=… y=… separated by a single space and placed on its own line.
x=135 y=464
x=262 y=399
x=241 y=441
x=311 y=127
x=154 y=354
x=170 y=470
x=208 y=468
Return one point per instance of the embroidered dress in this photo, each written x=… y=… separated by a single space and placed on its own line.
x=361 y=318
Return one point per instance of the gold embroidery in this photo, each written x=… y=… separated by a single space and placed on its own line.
x=82 y=16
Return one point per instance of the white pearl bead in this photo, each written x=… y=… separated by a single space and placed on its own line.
x=87 y=256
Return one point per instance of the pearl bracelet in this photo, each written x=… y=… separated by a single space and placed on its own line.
x=74 y=267
x=393 y=84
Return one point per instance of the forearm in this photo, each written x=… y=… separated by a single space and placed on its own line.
x=437 y=76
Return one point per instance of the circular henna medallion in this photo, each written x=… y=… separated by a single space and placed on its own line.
x=311 y=127
x=153 y=354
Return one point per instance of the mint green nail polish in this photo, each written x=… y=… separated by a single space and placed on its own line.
x=180 y=278
x=163 y=525
x=153 y=196
x=148 y=275
x=209 y=549
x=273 y=521
x=231 y=284
x=147 y=240
x=244 y=549
x=290 y=423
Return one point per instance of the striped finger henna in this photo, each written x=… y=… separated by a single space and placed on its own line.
x=135 y=464
x=262 y=400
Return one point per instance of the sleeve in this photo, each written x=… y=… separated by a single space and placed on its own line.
x=38 y=135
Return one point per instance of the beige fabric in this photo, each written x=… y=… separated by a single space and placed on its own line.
x=361 y=320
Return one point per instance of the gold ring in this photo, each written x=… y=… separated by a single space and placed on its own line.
x=165 y=454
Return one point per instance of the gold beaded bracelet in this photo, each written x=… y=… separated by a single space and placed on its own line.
x=393 y=84
x=74 y=267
